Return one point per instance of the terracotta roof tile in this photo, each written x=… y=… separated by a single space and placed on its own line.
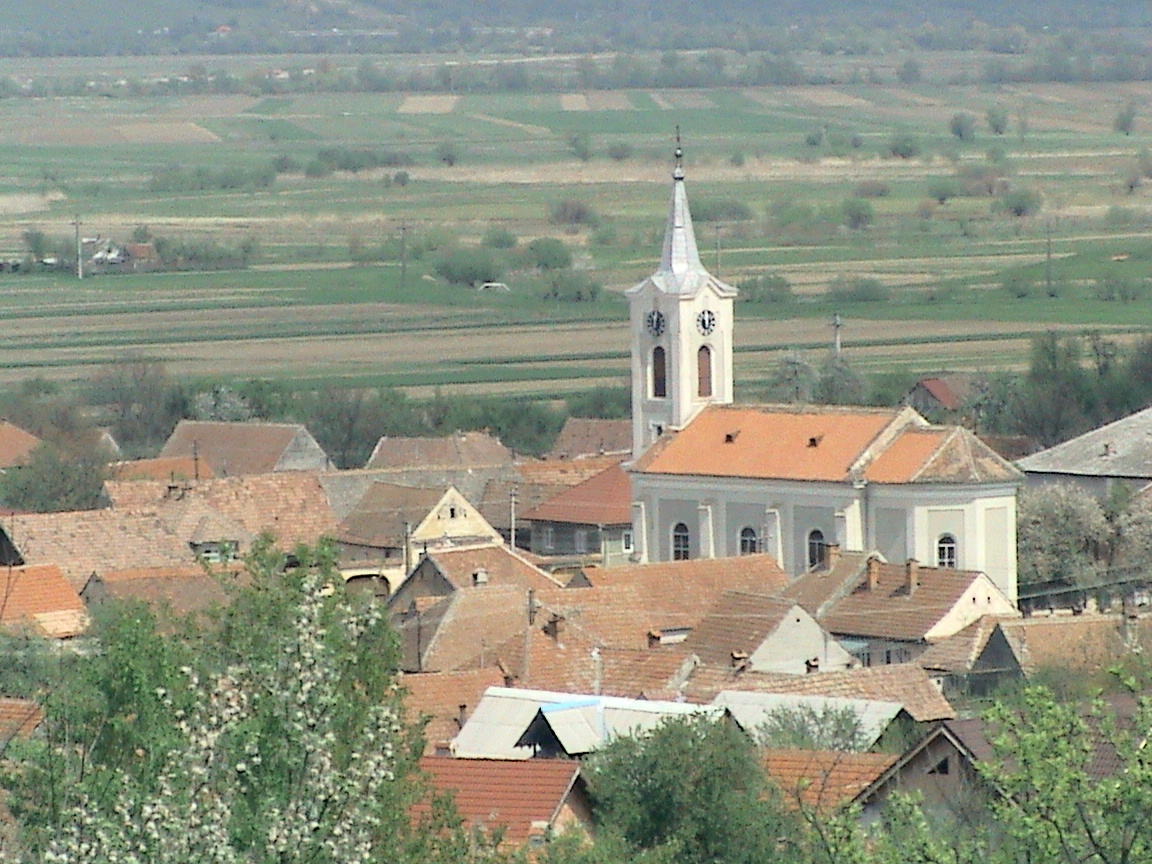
x=168 y=469
x=605 y=499
x=806 y=443
x=502 y=565
x=824 y=780
x=246 y=448
x=464 y=450
x=496 y=499
x=845 y=603
x=441 y=698
x=587 y=436
x=905 y=683
x=901 y=462
x=518 y=795
x=959 y=652
x=564 y=472
x=738 y=622
x=91 y=541
x=18 y=717
x=179 y=590
x=40 y=597
x=468 y=625
x=380 y=516
x=1083 y=643
x=15 y=445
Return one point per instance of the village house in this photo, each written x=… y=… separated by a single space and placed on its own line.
x=890 y=613
x=710 y=479
x=585 y=437
x=16 y=445
x=590 y=522
x=233 y=449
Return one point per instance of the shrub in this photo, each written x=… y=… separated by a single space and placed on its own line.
x=496 y=237
x=940 y=189
x=1021 y=202
x=859 y=290
x=619 y=151
x=469 y=267
x=725 y=210
x=568 y=286
x=963 y=126
x=548 y=253
x=574 y=212
x=858 y=213
x=904 y=145
x=765 y=288
x=1018 y=284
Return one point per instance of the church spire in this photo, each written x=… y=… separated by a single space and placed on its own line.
x=680 y=257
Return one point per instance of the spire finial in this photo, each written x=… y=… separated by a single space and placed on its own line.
x=678 y=171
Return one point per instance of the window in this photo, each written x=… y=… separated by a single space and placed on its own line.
x=659 y=373
x=680 y=542
x=704 y=371
x=627 y=543
x=946 y=551
x=581 y=541
x=749 y=542
x=547 y=537
x=817 y=549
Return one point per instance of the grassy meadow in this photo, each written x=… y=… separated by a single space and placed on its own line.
x=965 y=285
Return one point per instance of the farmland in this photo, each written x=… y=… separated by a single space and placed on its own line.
x=344 y=287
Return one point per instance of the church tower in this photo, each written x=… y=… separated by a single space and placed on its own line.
x=681 y=329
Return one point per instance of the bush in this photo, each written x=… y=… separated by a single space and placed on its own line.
x=963 y=126
x=548 y=253
x=765 y=288
x=858 y=213
x=904 y=145
x=470 y=267
x=1018 y=285
x=1021 y=202
x=619 y=151
x=1118 y=289
x=568 y=286
x=860 y=290
x=496 y=237
x=573 y=212
x=448 y=153
x=940 y=189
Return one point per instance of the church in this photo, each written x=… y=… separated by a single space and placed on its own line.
x=712 y=479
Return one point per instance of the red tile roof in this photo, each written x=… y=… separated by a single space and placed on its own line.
x=824 y=780
x=464 y=450
x=240 y=448
x=168 y=469
x=179 y=590
x=518 y=795
x=830 y=444
x=738 y=622
x=441 y=698
x=605 y=499
x=502 y=565
x=379 y=519
x=18 y=717
x=15 y=445
x=587 y=436
x=40 y=598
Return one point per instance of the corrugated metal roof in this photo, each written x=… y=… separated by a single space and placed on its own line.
x=1119 y=449
x=752 y=710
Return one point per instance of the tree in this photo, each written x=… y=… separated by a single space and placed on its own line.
x=1062 y=535
x=1057 y=398
x=1125 y=120
x=910 y=71
x=580 y=143
x=997 y=118
x=838 y=383
x=1021 y=202
x=693 y=786
x=470 y=267
x=858 y=213
x=793 y=379
x=963 y=126
x=280 y=737
x=809 y=728
x=55 y=481
x=448 y=152
x=904 y=145
x=940 y=189
x=145 y=403
x=1054 y=807
x=549 y=253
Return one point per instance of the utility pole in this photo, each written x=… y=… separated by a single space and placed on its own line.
x=1048 y=260
x=512 y=518
x=716 y=227
x=79 y=249
x=836 y=325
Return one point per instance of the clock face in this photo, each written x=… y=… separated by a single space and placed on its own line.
x=654 y=323
x=706 y=322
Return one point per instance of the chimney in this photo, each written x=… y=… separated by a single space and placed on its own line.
x=480 y=577
x=873 y=573
x=740 y=660
x=555 y=626
x=912 y=575
x=831 y=555
x=461 y=715
x=812 y=665
x=654 y=637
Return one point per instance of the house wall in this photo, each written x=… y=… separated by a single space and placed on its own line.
x=303 y=454
x=940 y=773
x=799 y=638
x=453 y=518
x=982 y=598
x=902 y=521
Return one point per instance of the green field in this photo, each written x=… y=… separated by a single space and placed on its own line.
x=324 y=298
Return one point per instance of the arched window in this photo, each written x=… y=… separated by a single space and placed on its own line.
x=749 y=542
x=704 y=371
x=659 y=373
x=946 y=551
x=680 y=542
x=817 y=549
